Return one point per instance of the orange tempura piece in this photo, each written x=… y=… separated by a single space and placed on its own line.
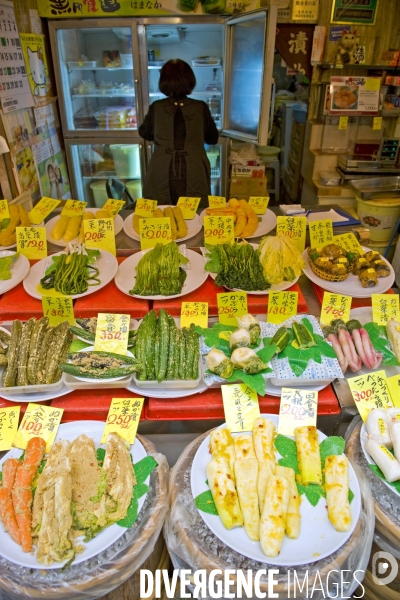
x=22 y=490
x=10 y=467
x=7 y=515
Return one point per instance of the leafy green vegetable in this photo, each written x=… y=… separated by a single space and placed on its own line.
x=267 y=353
x=142 y=470
x=144 y=467
x=380 y=343
x=100 y=453
x=159 y=271
x=237 y=266
x=212 y=339
x=255 y=382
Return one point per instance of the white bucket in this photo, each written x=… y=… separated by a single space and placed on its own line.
x=99 y=193
x=126 y=160
x=134 y=188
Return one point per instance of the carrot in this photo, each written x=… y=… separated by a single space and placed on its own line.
x=10 y=467
x=7 y=515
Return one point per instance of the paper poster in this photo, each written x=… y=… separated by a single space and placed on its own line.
x=50 y=163
x=26 y=170
x=19 y=128
x=354 y=95
x=36 y=66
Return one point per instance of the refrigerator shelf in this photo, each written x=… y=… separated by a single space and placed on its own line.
x=105 y=96
x=94 y=68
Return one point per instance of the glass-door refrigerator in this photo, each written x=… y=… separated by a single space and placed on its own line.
x=107 y=74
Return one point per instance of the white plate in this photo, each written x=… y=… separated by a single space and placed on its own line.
x=118 y=223
x=70 y=431
x=194 y=226
x=318 y=538
x=363 y=437
x=195 y=276
x=37 y=396
x=92 y=379
x=267 y=223
x=106 y=263
x=19 y=270
x=159 y=393
x=352 y=284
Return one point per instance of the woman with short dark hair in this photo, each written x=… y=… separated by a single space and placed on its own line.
x=179 y=127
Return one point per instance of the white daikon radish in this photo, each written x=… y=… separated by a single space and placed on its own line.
x=385 y=460
x=377 y=426
x=394 y=431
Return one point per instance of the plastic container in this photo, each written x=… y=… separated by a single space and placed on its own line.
x=329 y=178
x=82 y=64
x=126 y=160
x=134 y=188
x=300 y=112
x=99 y=193
x=380 y=216
x=269 y=153
x=126 y=60
x=212 y=157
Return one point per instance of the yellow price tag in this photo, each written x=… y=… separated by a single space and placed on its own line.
x=348 y=242
x=114 y=206
x=145 y=208
x=369 y=392
x=99 y=234
x=216 y=201
x=241 y=407
x=259 y=204
x=9 y=418
x=335 y=306
x=58 y=309
x=32 y=242
x=194 y=312
x=155 y=231
x=372 y=84
x=4 y=210
x=281 y=306
x=112 y=333
x=218 y=230
x=38 y=421
x=73 y=208
x=230 y=306
x=298 y=408
x=123 y=418
x=43 y=208
x=294 y=228
x=343 y=122
x=377 y=123
x=188 y=206
x=393 y=384
x=384 y=308
x=321 y=233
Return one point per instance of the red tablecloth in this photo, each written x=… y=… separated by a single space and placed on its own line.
x=17 y=304
x=90 y=404
x=356 y=302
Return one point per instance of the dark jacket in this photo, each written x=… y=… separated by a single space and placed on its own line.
x=178 y=153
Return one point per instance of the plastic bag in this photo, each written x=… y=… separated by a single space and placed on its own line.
x=246 y=154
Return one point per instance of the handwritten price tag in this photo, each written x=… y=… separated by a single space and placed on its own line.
x=384 y=308
x=216 y=201
x=32 y=242
x=9 y=418
x=114 y=206
x=43 y=208
x=73 y=208
x=281 y=306
x=154 y=231
x=194 y=312
x=393 y=384
x=4 y=210
x=349 y=242
x=240 y=407
x=112 y=333
x=218 y=230
x=259 y=204
x=321 y=233
x=297 y=408
x=188 y=206
x=58 y=309
x=335 y=306
x=294 y=228
x=99 y=234
x=377 y=123
x=123 y=418
x=38 y=421
x=230 y=306
x=145 y=208
x=369 y=392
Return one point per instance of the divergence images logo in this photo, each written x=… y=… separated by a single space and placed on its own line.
x=384 y=568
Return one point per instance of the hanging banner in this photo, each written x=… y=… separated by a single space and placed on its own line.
x=294 y=43
x=36 y=66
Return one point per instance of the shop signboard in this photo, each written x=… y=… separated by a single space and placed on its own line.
x=356 y=11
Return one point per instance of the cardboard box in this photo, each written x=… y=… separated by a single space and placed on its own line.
x=248 y=171
x=248 y=186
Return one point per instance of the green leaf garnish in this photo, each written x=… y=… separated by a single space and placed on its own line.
x=350 y=496
x=100 y=453
x=143 y=468
x=333 y=445
x=287 y=449
x=378 y=472
x=205 y=503
x=212 y=339
x=267 y=353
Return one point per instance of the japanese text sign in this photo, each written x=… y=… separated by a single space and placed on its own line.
x=348 y=242
x=216 y=201
x=298 y=408
x=73 y=208
x=42 y=210
x=32 y=242
x=370 y=391
x=38 y=421
x=230 y=306
x=154 y=231
x=335 y=306
x=123 y=418
x=294 y=228
x=114 y=206
x=58 y=309
x=112 y=332
x=4 y=210
x=9 y=418
x=393 y=384
x=145 y=208
x=281 y=306
x=343 y=123
x=188 y=206
x=321 y=233
x=241 y=407
x=384 y=308
x=99 y=234
x=259 y=204
x=218 y=230
x=194 y=312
